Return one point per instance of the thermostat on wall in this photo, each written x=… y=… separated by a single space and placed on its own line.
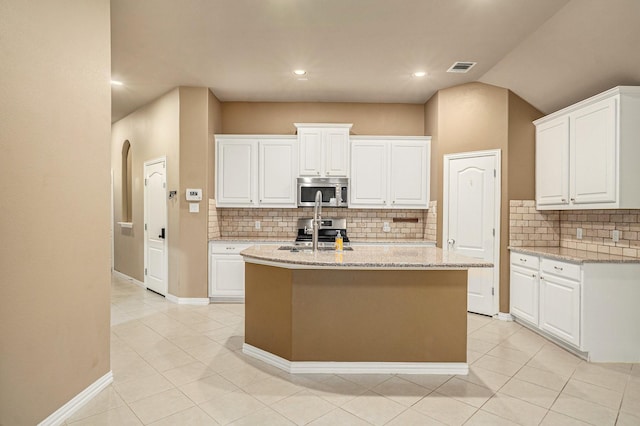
x=194 y=194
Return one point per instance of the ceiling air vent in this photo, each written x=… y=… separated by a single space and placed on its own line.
x=461 y=67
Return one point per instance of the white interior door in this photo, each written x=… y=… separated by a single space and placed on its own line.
x=471 y=221
x=155 y=219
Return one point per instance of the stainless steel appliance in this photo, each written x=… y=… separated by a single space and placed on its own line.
x=327 y=232
x=335 y=191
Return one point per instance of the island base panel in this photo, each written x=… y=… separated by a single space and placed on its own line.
x=268 y=308
x=357 y=315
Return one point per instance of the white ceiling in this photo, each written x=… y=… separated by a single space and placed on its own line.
x=550 y=52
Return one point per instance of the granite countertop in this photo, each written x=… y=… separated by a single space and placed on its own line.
x=575 y=256
x=280 y=240
x=365 y=257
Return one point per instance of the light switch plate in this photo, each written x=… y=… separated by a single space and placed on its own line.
x=386 y=227
x=579 y=233
x=194 y=207
x=615 y=235
x=257 y=225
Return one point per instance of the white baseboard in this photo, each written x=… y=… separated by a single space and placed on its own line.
x=75 y=404
x=310 y=367
x=227 y=299
x=187 y=300
x=504 y=316
x=128 y=278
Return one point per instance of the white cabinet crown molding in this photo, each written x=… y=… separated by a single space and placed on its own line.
x=251 y=136
x=324 y=125
x=625 y=90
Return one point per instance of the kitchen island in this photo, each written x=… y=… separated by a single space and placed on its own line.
x=376 y=309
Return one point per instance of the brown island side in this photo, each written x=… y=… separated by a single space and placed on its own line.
x=376 y=309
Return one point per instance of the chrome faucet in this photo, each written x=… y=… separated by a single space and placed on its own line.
x=317 y=220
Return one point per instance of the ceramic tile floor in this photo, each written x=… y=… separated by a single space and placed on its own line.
x=183 y=365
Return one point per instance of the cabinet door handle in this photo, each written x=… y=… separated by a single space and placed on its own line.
x=523 y=260
x=573 y=200
x=557 y=268
x=542 y=278
x=533 y=275
x=564 y=200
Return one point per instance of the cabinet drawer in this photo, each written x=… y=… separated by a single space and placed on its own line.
x=228 y=248
x=525 y=260
x=561 y=269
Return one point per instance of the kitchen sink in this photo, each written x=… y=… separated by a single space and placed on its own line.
x=308 y=248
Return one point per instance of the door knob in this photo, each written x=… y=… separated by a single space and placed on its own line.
x=451 y=241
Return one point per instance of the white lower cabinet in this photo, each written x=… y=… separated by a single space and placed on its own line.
x=546 y=294
x=226 y=271
x=560 y=308
x=590 y=307
x=524 y=293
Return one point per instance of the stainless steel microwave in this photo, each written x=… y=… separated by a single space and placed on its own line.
x=335 y=191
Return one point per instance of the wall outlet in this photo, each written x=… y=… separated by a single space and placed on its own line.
x=257 y=225
x=615 y=235
x=386 y=227
x=579 y=233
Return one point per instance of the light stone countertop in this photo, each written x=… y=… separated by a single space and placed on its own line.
x=575 y=256
x=355 y=242
x=363 y=257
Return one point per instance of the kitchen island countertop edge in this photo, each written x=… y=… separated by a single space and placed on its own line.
x=363 y=257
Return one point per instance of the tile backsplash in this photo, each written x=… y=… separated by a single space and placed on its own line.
x=281 y=224
x=597 y=227
x=529 y=227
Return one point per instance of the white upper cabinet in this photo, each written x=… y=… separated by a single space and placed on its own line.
x=593 y=144
x=390 y=172
x=236 y=172
x=277 y=180
x=586 y=154
x=552 y=162
x=323 y=149
x=368 y=185
x=409 y=183
x=257 y=171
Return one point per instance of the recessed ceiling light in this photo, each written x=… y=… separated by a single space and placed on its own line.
x=299 y=72
x=116 y=83
x=419 y=74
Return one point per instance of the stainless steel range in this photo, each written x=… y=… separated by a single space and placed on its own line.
x=327 y=233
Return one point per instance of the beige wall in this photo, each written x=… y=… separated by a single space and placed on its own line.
x=153 y=132
x=475 y=117
x=180 y=126
x=54 y=180
x=189 y=256
x=278 y=118
x=521 y=154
